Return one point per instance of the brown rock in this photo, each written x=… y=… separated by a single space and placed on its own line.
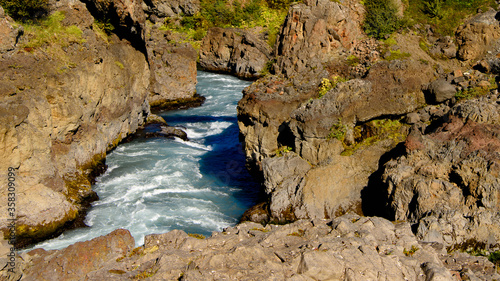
x=234 y=51
x=477 y=36
x=77 y=260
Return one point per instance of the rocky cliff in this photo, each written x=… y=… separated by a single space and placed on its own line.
x=326 y=130
x=72 y=88
x=64 y=105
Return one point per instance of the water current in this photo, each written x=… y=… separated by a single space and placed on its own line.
x=156 y=185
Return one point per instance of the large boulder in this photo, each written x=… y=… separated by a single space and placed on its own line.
x=234 y=51
x=315 y=32
x=478 y=35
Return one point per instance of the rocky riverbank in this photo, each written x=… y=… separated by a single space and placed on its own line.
x=349 y=247
x=72 y=88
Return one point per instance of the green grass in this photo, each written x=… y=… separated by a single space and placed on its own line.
x=443 y=15
x=397 y=55
x=49 y=32
x=219 y=13
x=337 y=131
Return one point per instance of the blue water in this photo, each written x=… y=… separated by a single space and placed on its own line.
x=157 y=185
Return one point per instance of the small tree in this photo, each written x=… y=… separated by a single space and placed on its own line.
x=381 y=18
x=24 y=9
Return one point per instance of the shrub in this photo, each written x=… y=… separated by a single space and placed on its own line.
x=433 y=8
x=381 y=18
x=25 y=9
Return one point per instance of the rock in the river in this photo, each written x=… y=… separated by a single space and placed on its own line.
x=345 y=248
x=235 y=51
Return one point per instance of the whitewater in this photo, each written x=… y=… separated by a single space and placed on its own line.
x=156 y=185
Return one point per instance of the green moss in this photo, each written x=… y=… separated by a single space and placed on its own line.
x=282 y=151
x=337 y=131
x=374 y=131
x=476 y=91
x=196 y=235
x=352 y=60
x=120 y=65
x=397 y=55
x=443 y=15
x=327 y=84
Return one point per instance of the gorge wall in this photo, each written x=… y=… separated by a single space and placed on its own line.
x=323 y=128
x=71 y=91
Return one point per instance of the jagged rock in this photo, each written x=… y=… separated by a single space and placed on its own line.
x=315 y=32
x=478 y=35
x=353 y=247
x=60 y=114
x=234 y=51
x=173 y=69
x=163 y=8
x=9 y=32
x=440 y=90
x=447 y=183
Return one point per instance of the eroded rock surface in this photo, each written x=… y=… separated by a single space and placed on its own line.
x=60 y=114
x=345 y=248
x=448 y=184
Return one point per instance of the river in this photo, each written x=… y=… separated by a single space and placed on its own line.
x=157 y=185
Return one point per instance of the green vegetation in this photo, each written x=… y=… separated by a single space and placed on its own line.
x=282 y=151
x=337 y=131
x=269 y=14
x=328 y=84
x=368 y=134
x=494 y=257
x=381 y=18
x=24 y=9
x=443 y=15
x=49 y=32
x=476 y=91
x=411 y=251
x=120 y=65
x=352 y=60
x=397 y=55
x=196 y=235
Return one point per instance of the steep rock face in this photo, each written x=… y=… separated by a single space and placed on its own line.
x=346 y=248
x=173 y=69
x=235 y=51
x=316 y=32
x=478 y=35
x=448 y=184
x=60 y=114
x=313 y=34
